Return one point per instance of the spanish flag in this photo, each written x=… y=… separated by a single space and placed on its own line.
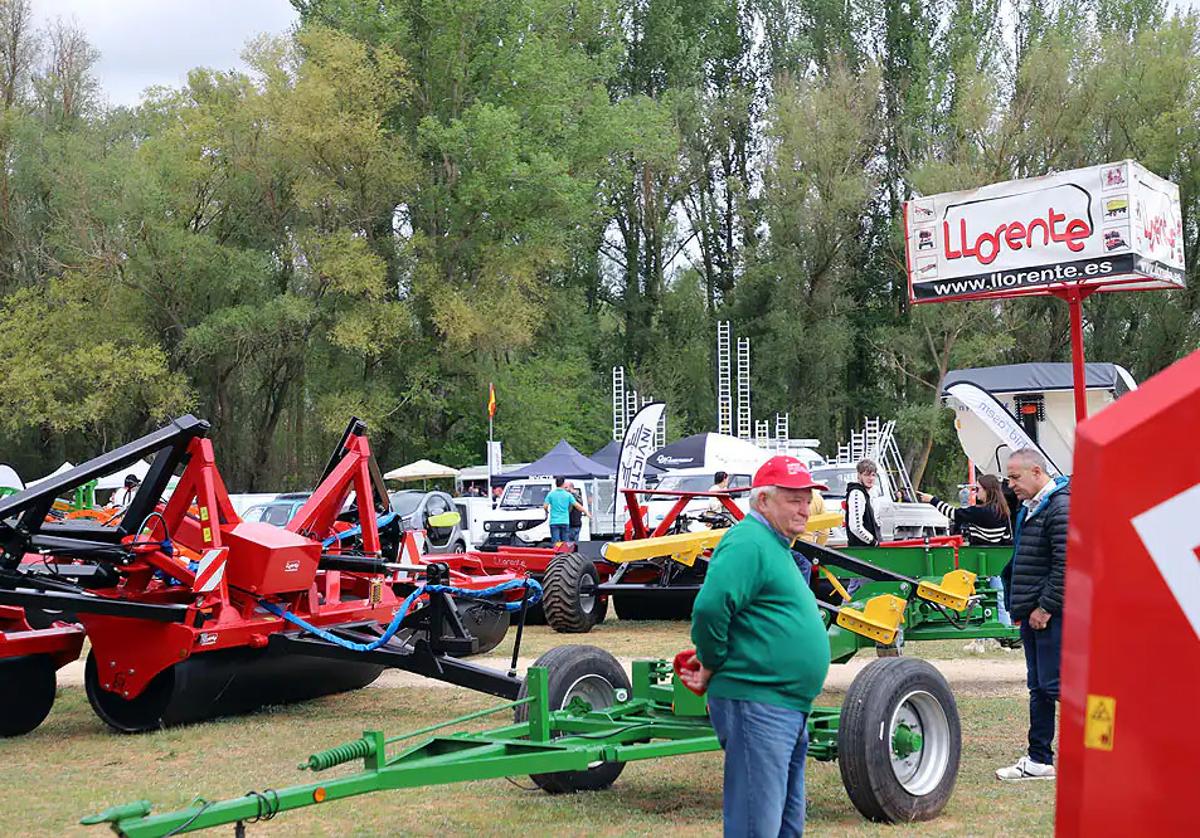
x=491 y=401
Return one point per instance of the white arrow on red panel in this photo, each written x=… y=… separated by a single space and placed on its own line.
x=1171 y=533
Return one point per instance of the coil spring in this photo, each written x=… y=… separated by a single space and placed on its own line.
x=358 y=749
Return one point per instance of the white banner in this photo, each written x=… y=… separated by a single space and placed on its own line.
x=637 y=446
x=994 y=435
x=493 y=461
x=1114 y=224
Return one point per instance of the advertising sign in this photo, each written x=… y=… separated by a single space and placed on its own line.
x=1114 y=226
x=637 y=446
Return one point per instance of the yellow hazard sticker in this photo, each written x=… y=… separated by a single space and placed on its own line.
x=204 y=513
x=207 y=535
x=1100 y=722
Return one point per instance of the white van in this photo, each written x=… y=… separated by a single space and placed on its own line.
x=692 y=480
x=520 y=519
x=896 y=520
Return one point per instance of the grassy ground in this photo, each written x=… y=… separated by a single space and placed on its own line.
x=73 y=766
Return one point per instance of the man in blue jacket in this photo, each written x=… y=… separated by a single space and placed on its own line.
x=1033 y=591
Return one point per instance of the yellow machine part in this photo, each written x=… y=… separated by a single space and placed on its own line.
x=879 y=620
x=954 y=591
x=684 y=547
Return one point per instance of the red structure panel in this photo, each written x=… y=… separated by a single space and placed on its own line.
x=1130 y=747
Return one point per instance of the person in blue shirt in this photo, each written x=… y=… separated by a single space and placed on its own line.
x=559 y=503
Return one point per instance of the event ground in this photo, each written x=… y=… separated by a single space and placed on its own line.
x=73 y=765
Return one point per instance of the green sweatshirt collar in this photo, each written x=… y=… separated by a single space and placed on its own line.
x=784 y=540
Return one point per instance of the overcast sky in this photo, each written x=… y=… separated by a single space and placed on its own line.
x=149 y=42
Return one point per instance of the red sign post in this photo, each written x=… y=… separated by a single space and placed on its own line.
x=1130 y=748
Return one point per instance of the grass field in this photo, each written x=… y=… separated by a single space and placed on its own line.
x=73 y=766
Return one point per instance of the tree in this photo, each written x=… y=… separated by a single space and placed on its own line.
x=65 y=86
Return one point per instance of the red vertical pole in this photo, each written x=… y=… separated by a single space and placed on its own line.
x=1075 y=303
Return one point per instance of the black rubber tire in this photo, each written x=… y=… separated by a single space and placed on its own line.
x=865 y=740
x=27 y=685
x=567 y=665
x=653 y=607
x=488 y=624
x=569 y=577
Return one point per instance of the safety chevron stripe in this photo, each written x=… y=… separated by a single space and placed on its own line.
x=211 y=570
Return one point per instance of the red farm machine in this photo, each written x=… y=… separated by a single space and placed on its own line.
x=192 y=613
x=580 y=717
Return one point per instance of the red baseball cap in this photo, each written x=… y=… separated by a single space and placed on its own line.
x=786 y=472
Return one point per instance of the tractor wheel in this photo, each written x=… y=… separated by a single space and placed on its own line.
x=487 y=623
x=570 y=600
x=595 y=676
x=899 y=741
x=27 y=687
x=653 y=607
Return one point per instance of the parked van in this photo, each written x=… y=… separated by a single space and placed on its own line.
x=520 y=520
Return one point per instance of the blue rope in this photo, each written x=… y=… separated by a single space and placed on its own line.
x=535 y=596
x=380 y=522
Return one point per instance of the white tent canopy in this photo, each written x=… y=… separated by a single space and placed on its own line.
x=9 y=478
x=65 y=467
x=116 y=480
x=420 y=470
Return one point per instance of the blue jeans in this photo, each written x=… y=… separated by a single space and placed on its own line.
x=765 y=747
x=1043 y=650
x=573 y=534
x=559 y=532
x=1001 y=612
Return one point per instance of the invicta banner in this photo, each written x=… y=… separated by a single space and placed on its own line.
x=1109 y=227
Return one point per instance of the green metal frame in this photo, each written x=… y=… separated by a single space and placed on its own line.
x=924 y=620
x=659 y=719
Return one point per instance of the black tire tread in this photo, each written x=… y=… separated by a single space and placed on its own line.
x=560 y=597
x=559 y=660
x=871 y=785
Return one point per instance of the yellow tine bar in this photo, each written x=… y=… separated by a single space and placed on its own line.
x=879 y=620
x=954 y=591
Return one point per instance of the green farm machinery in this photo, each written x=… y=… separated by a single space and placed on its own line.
x=579 y=718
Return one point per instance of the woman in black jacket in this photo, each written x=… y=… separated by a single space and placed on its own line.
x=987 y=522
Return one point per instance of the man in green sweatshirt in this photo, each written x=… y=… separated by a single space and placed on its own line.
x=763 y=654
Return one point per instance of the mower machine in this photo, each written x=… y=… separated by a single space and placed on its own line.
x=578 y=719
x=193 y=613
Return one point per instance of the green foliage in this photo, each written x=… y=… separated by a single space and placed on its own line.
x=403 y=201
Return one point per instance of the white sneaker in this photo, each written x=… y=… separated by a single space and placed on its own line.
x=1026 y=769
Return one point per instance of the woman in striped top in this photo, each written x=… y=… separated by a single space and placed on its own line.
x=987 y=522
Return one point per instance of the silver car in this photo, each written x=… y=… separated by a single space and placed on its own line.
x=435 y=513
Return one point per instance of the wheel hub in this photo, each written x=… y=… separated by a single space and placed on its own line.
x=587 y=593
x=920 y=737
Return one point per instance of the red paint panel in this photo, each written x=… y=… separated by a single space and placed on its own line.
x=1126 y=633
